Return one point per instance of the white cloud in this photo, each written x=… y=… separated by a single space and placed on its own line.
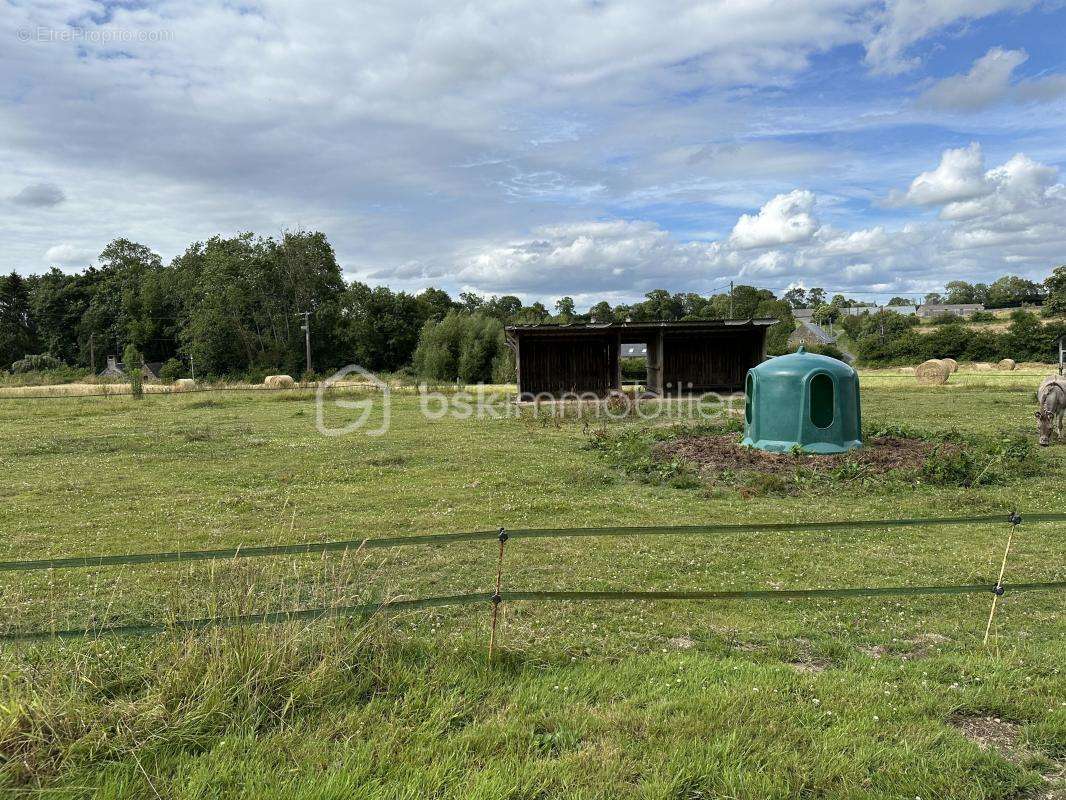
x=1020 y=184
x=785 y=219
x=901 y=23
x=858 y=242
x=68 y=255
x=590 y=256
x=985 y=84
x=989 y=82
x=959 y=176
x=492 y=145
x=1012 y=214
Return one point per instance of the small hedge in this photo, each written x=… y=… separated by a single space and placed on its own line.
x=41 y=362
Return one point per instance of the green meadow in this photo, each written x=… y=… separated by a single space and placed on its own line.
x=887 y=697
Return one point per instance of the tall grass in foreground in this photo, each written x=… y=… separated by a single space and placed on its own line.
x=107 y=699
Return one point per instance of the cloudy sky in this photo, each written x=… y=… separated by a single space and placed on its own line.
x=597 y=149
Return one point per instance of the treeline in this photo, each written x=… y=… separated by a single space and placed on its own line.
x=885 y=338
x=234 y=308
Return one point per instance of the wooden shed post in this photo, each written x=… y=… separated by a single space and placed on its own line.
x=512 y=342
x=616 y=363
x=655 y=362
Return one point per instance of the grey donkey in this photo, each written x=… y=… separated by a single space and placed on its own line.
x=1051 y=399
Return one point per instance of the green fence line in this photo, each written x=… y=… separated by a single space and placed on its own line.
x=316 y=614
x=309 y=548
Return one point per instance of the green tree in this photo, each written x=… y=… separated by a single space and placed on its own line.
x=1055 y=286
x=1012 y=290
x=503 y=308
x=564 y=308
x=381 y=328
x=601 y=312
x=244 y=298
x=132 y=360
x=797 y=297
x=959 y=292
x=471 y=302
x=461 y=347
x=17 y=331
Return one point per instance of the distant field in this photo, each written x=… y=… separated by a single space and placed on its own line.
x=847 y=698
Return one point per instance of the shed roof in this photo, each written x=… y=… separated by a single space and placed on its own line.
x=644 y=327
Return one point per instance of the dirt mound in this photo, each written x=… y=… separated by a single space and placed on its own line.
x=713 y=454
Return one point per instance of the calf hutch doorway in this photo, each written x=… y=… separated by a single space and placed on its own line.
x=554 y=361
x=802 y=400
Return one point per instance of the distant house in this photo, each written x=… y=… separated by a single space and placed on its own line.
x=117 y=369
x=904 y=310
x=856 y=311
x=931 y=310
x=809 y=335
x=634 y=351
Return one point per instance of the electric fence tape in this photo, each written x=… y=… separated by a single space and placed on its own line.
x=309 y=548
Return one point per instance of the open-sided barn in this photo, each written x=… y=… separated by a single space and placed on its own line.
x=700 y=356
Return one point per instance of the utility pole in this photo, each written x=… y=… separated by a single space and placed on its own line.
x=92 y=353
x=307 y=337
x=192 y=367
x=731 y=299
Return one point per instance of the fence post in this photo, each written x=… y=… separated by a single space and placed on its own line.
x=496 y=597
x=997 y=590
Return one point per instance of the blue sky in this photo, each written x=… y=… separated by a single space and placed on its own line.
x=547 y=148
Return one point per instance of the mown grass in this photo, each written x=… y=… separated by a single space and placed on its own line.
x=845 y=698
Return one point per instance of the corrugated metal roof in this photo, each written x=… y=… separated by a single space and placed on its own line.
x=709 y=324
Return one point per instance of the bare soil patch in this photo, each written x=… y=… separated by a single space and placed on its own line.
x=713 y=454
x=1003 y=736
x=990 y=733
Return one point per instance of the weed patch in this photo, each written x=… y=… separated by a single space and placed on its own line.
x=688 y=458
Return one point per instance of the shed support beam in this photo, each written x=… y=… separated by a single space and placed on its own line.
x=655 y=363
x=616 y=363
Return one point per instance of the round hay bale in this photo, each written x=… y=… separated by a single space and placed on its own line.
x=953 y=365
x=279 y=382
x=933 y=372
x=982 y=366
x=907 y=370
x=184 y=384
x=1007 y=364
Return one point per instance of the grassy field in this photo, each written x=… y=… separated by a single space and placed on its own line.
x=856 y=698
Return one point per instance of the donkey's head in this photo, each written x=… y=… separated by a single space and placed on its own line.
x=1043 y=424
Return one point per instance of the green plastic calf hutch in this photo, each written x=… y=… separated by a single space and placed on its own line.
x=802 y=400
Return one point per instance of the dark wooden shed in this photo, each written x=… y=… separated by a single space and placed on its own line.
x=713 y=355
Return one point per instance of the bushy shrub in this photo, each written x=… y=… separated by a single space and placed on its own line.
x=982 y=316
x=830 y=350
x=635 y=369
x=463 y=347
x=41 y=362
x=132 y=360
x=1026 y=340
x=171 y=370
x=947 y=318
